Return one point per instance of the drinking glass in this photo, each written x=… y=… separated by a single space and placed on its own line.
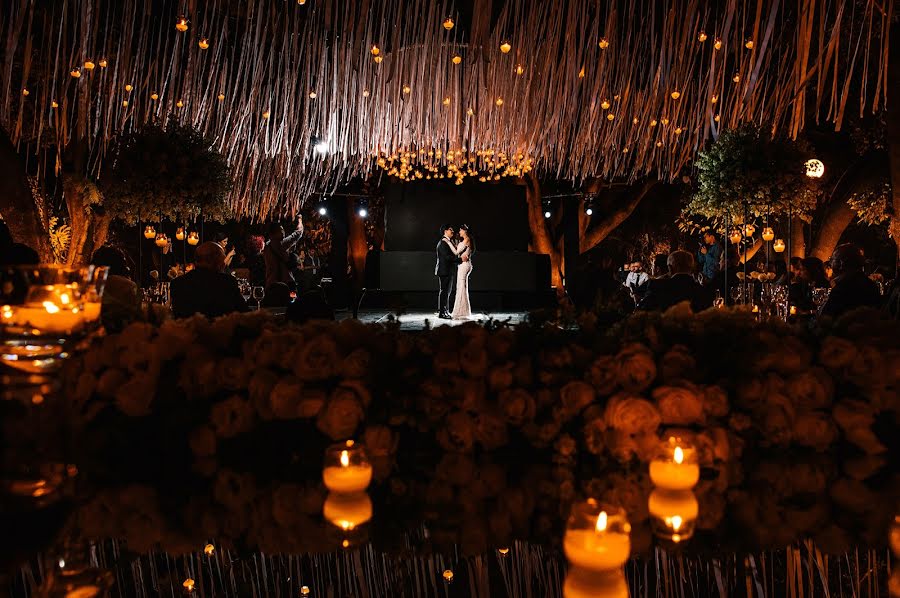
x=820 y=297
x=258 y=294
x=719 y=301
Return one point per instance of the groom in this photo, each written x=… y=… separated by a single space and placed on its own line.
x=445 y=270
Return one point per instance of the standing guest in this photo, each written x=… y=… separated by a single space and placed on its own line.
x=221 y=239
x=660 y=266
x=279 y=260
x=710 y=255
x=636 y=278
x=851 y=288
x=254 y=261
x=207 y=289
x=663 y=293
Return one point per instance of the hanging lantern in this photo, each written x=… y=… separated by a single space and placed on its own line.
x=717 y=44
x=446 y=101
x=749 y=230
x=735 y=236
x=125 y=103
x=716 y=118
x=521 y=69
x=179 y=104
x=470 y=112
x=301 y=2
x=88 y=65
x=605 y=104
x=653 y=123
x=604 y=43
x=676 y=95
x=749 y=44
x=375 y=50
x=378 y=59
x=505 y=47
x=448 y=23
x=53 y=104
x=678 y=130
x=736 y=78
x=659 y=144
x=365 y=93
x=221 y=97
x=581 y=73
x=610 y=116
x=768 y=234
x=499 y=102
x=128 y=88
x=203 y=43
x=162 y=240
x=664 y=121
x=714 y=99
x=407 y=89
x=149 y=232
x=76 y=73
x=25 y=91
x=312 y=95
x=701 y=37
x=193 y=238
x=778 y=245
x=181 y=24
x=266 y=115
x=456 y=59
x=179 y=234
x=103 y=63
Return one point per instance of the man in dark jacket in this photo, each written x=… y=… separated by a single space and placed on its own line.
x=207 y=289
x=663 y=293
x=280 y=262
x=445 y=270
x=851 y=287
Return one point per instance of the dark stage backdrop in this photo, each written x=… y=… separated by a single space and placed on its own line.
x=496 y=214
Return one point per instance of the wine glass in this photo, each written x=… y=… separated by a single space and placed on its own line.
x=820 y=297
x=719 y=301
x=258 y=294
x=246 y=289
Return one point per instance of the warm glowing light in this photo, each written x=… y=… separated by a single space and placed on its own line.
x=365 y=93
x=701 y=37
x=505 y=47
x=76 y=73
x=604 y=43
x=456 y=59
x=312 y=95
x=221 y=97
x=203 y=43
x=162 y=240
x=678 y=130
x=736 y=236
x=88 y=65
x=378 y=59
x=188 y=584
x=375 y=50
x=179 y=234
x=716 y=118
x=678 y=455
x=345 y=459
x=345 y=544
x=448 y=23
x=51 y=307
x=778 y=245
x=768 y=234
x=749 y=44
x=149 y=232
x=304 y=590
x=814 y=168
x=470 y=112
x=448 y=575
x=749 y=230
x=610 y=116
x=266 y=114
x=53 y=104
x=503 y=551
x=499 y=101
x=125 y=103
x=446 y=101
x=653 y=123
x=25 y=92
x=676 y=95
x=179 y=104
x=128 y=87
x=193 y=238
x=605 y=104
x=736 y=78
x=209 y=549
x=521 y=69
x=659 y=144
x=601 y=521
x=581 y=73
x=717 y=44
x=181 y=24
x=301 y=2
x=103 y=63
x=407 y=89
x=154 y=96
x=714 y=99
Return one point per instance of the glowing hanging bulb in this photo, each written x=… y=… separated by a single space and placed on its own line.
x=736 y=78
x=53 y=104
x=749 y=44
x=179 y=234
x=717 y=44
x=520 y=69
x=312 y=95
x=714 y=99
x=604 y=43
x=768 y=234
x=735 y=237
x=675 y=95
x=701 y=37
x=378 y=59
x=149 y=232
x=610 y=116
x=128 y=88
x=605 y=104
x=203 y=43
x=499 y=101
x=778 y=245
x=375 y=50
x=266 y=115
x=448 y=23
x=365 y=93
x=505 y=47
x=181 y=24
x=125 y=103
x=456 y=59
x=75 y=73
x=25 y=91
x=179 y=104
x=88 y=65
x=154 y=96
x=446 y=101
x=407 y=89
x=221 y=97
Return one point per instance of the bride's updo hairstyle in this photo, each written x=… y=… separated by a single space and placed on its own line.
x=465 y=227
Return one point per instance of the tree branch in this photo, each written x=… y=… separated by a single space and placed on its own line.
x=601 y=230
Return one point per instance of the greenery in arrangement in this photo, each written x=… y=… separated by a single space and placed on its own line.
x=745 y=169
x=169 y=172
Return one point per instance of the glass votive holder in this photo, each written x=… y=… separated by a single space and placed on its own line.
x=584 y=583
x=673 y=514
x=598 y=536
x=93 y=295
x=347 y=468
x=347 y=511
x=675 y=465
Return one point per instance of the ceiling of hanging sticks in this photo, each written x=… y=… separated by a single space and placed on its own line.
x=301 y=97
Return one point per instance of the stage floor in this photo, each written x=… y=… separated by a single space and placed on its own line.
x=416 y=320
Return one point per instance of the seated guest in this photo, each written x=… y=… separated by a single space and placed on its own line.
x=810 y=276
x=660 y=266
x=663 y=293
x=851 y=288
x=121 y=301
x=637 y=279
x=207 y=289
x=278 y=294
x=280 y=262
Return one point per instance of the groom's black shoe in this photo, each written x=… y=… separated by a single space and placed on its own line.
x=444 y=315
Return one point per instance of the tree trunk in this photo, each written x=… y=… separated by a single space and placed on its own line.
x=17 y=205
x=601 y=230
x=837 y=217
x=893 y=132
x=357 y=246
x=79 y=218
x=798 y=238
x=540 y=236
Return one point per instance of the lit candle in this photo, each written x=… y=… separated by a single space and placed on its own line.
x=347 y=468
x=50 y=309
x=597 y=537
x=347 y=511
x=673 y=513
x=793 y=310
x=675 y=466
x=584 y=583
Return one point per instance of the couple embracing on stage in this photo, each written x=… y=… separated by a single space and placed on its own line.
x=454 y=264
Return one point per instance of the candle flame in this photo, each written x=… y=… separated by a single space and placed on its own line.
x=679 y=455
x=676 y=522
x=345 y=458
x=601 y=521
x=51 y=307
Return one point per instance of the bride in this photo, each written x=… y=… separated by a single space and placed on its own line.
x=461 y=307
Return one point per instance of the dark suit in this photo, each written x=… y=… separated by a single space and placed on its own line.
x=445 y=270
x=203 y=291
x=663 y=293
x=850 y=291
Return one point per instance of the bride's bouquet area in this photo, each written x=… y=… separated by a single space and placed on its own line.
x=489 y=433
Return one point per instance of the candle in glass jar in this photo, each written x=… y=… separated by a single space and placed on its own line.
x=583 y=583
x=347 y=511
x=675 y=467
x=347 y=468
x=673 y=513
x=604 y=546
x=50 y=309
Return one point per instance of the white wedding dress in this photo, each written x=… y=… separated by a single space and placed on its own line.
x=461 y=307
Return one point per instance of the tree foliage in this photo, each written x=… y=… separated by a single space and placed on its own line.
x=746 y=167
x=168 y=172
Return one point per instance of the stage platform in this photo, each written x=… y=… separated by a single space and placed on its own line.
x=416 y=320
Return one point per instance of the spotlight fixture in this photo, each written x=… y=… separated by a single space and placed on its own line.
x=589 y=205
x=547 y=214
x=363 y=213
x=323 y=211
x=814 y=168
